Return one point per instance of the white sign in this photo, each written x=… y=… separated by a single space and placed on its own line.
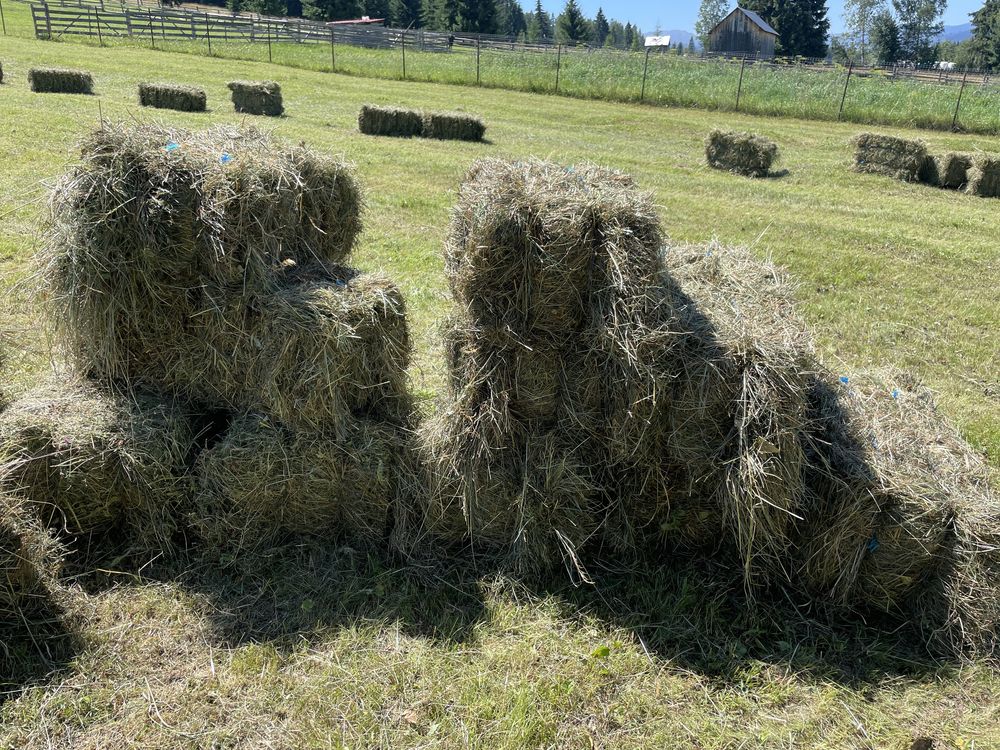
x=658 y=41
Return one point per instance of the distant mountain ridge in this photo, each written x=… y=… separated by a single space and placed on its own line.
x=958 y=33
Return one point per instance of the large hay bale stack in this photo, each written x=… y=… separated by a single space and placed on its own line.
x=457 y=126
x=60 y=81
x=554 y=272
x=738 y=409
x=90 y=460
x=902 y=159
x=262 y=480
x=257 y=98
x=172 y=96
x=393 y=121
x=984 y=177
x=741 y=153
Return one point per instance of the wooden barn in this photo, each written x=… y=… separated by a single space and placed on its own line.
x=743 y=32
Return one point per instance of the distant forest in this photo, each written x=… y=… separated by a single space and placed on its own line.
x=502 y=17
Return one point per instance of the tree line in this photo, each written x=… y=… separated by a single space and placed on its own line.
x=502 y=17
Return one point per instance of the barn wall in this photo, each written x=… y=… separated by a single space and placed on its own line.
x=738 y=34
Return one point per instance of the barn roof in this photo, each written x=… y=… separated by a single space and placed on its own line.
x=757 y=20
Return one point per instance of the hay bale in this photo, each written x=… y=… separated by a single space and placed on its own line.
x=456 y=126
x=953 y=170
x=394 y=121
x=156 y=225
x=741 y=153
x=892 y=482
x=543 y=249
x=30 y=559
x=257 y=98
x=530 y=501
x=930 y=171
x=886 y=155
x=90 y=460
x=738 y=411
x=60 y=81
x=172 y=96
x=984 y=177
x=262 y=480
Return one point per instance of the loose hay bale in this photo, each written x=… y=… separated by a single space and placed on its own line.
x=895 y=157
x=89 y=460
x=257 y=98
x=172 y=96
x=263 y=479
x=953 y=170
x=984 y=177
x=903 y=514
x=742 y=153
x=60 y=81
x=394 y=121
x=456 y=126
x=541 y=248
x=738 y=412
x=29 y=561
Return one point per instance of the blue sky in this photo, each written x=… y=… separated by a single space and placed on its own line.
x=681 y=14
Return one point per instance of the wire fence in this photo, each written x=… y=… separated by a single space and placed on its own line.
x=810 y=88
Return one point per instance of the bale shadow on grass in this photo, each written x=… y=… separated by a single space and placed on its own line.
x=33 y=646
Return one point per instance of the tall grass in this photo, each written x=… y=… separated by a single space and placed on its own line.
x=670 y=80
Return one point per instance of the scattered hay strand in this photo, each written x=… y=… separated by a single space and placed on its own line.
x=257 y=98
x=392 y=121
x=172 y=96
x=457 y=126
x=738 y=411
x=741 y=153
x=984 y=177
x=30 y=559
x=60 y=81
x=262 y=479
x=89 y=460
x=886 y=155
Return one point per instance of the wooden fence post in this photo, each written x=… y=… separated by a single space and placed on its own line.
x=645 y=69
x=850 y=69
x=739 y=88
x=954 y=120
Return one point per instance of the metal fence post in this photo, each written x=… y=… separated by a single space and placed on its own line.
x=739 y=88
x=850 y=69
x=208 y=34
x=558 y=65
x=3 y=21
x=478 y=37
x=404 y=54
x=268 y=32
x=958 y=104
x=152 y=35
x=645 y=69
x=333 y=53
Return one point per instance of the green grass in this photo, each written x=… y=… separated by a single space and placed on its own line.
x=612 y=75
x=336 y=647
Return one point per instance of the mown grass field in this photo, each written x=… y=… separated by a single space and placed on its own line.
x=616 y=76
x=327 y=645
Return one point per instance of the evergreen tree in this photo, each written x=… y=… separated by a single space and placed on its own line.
x=986 y=35
x=638 y=39
x=377 y=8
x=709 y=15
x=331 y=10
x=510 y=19
x=236 y=6
x=601 y=28
x=919 y=25
x=572 y=26
x=691 y=49
x=404 y=13
x=802 y=25
x=268 y=7
x=478 y=16
x=616 y=34
x=885 y=38
x=629 y=36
